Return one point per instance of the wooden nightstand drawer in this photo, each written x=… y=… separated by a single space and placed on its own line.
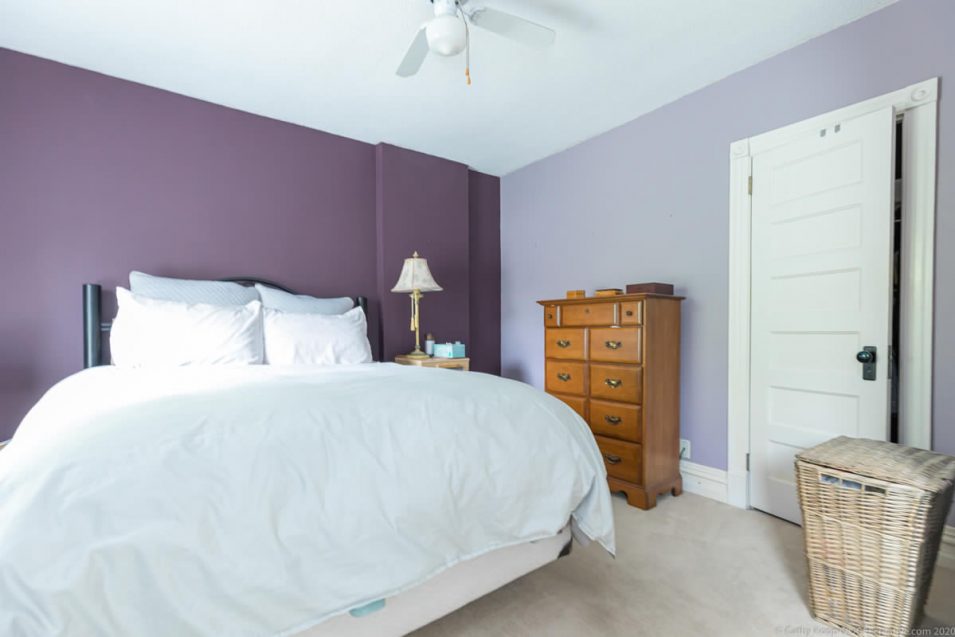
x=616 y=344
x=565 y=342
x=623 y=383
x=616 y=420
x=577 y=403
x=460 y=364
x=624 y=460
x=564 y=377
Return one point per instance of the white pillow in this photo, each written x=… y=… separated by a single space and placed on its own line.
x=301 y=303
x=190 y=291
x=152 y=333
x=316 y=339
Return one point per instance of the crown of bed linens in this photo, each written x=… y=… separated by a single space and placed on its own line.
x=302 y=303
x=156 y=333
x=94 y=326
x=316 y=339
x=190 y=290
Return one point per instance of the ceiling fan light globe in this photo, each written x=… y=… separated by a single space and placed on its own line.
x=446 y=35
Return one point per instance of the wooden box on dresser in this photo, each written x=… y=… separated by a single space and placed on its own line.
x=616 y=362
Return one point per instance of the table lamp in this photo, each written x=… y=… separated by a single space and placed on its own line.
x=414 y=279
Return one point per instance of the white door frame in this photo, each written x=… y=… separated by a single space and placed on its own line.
x=918 y=105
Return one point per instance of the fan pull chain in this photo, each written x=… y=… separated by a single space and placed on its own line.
x=467 y=46
x=467 y=52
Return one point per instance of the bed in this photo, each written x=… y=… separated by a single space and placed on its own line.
x=278 y=500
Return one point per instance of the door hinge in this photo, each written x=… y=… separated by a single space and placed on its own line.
x=749 y=186
x=747 y=462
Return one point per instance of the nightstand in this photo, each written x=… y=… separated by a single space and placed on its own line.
x=462 y=364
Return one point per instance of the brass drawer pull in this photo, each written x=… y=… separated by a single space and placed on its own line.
x=613 y=344
x=564 y=376
x=613 y=420
x=629 y=312
x=612 y=459
x=613 y=382
x=563 y=343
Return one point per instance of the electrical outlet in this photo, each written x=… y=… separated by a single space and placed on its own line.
x=684 y=449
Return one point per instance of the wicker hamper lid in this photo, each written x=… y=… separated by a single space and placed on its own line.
x=886 y=461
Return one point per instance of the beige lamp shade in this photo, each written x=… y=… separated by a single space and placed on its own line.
x=415 y=275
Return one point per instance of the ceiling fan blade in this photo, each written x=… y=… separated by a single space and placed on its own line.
x=415 y=56
x=510 y=26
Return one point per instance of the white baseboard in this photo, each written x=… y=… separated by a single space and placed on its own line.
x=703 y=480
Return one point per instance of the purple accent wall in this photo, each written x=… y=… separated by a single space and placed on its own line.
x=485 y=256
x=649 y=202
x=99 y=176
x=423 y=205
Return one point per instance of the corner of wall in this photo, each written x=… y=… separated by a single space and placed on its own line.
x=484 y=222
x=451 y=216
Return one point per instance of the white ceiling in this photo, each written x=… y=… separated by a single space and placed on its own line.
x=329 y=64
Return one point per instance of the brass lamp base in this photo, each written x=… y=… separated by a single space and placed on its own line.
x=417 y=353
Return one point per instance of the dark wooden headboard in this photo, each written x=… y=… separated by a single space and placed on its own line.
x=94 y=326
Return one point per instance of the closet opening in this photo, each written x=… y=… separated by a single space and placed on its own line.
x=896 y=283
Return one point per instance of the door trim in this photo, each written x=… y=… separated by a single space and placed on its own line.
x=918 y=105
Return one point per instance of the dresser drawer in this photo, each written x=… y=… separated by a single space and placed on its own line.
x=616 y=344
x=616 y=420
x=617 y=382
x=551 y=316
x=565 y=377
x=588 y=314
x=631 y=313
x=577 y=403
x=623 y=460
x=565 y=342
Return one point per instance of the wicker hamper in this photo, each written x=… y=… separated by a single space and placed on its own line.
x=872 y=515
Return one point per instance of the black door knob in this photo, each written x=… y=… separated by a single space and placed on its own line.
x=867 y=358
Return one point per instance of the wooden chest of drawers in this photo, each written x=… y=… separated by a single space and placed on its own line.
x=616 y=362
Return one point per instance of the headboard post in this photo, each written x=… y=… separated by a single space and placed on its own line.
x=92 y=325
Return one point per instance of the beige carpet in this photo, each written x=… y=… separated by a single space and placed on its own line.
x=692 y=566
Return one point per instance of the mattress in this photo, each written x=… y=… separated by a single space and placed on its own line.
x=448 y=591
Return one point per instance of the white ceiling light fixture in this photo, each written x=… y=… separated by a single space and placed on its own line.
x=447 y=33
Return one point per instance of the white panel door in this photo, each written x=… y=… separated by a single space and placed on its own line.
x=821 y=291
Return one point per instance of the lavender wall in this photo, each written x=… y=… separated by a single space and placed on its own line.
x=99 y=176
x=649 y=202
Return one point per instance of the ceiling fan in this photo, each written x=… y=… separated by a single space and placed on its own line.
x=448 y=33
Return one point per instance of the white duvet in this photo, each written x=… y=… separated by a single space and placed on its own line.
x=260 y=501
